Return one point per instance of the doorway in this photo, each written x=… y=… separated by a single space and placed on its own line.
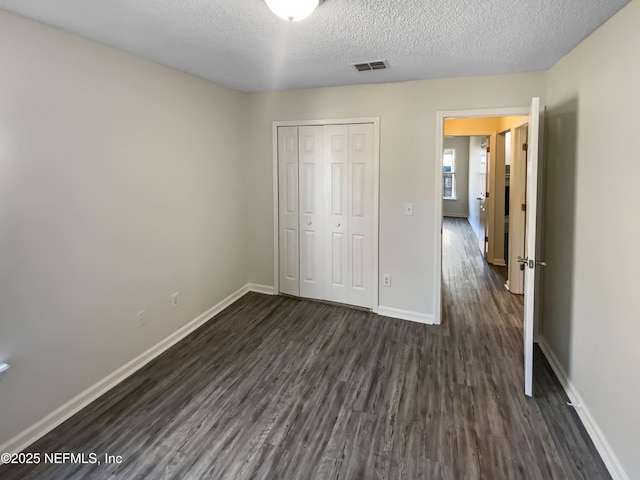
x=451 y=123
x=479 y=152
x=464 y=182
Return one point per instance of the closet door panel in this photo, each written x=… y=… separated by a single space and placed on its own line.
x=288 y=234
x=311 y=196
x=336 y=193
x=361 y=221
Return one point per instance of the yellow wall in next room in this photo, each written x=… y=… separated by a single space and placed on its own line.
x=480 y=126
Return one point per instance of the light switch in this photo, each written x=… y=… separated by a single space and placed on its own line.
x=408 y=208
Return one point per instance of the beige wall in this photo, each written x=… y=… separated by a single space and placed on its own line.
x=591 y=318
x=407 y=114
x=121 y=182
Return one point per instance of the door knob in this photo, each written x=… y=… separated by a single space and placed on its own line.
x=337 y=224
x=530 y=263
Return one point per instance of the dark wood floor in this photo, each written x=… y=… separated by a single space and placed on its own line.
x=279 y=388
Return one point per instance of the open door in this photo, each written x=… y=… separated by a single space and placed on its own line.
x=531 y=262
x=484 y=204
x=484 y=212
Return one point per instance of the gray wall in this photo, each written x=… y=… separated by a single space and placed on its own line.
x=591 y=318
x=460 y=206
x=121 y=182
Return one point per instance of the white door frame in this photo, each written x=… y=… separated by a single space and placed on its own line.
x=440 y=117
x=376 y=191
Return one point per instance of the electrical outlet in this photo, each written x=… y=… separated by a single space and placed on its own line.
x=175 y=300
x=142 y=321
x=386 y=280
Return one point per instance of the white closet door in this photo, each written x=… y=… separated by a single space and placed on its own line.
x=288 y=210
x=336 y=213
x=361 y=215
x=311 y=182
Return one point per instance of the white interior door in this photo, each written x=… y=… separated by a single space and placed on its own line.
x=517 y=215
x=288 y=235
x=477 y=188
x=361 y=215
x=531 y=260
x=337 y=213
x=484 y=206
x=311 y=194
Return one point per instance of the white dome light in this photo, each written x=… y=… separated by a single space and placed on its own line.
x=293 y=10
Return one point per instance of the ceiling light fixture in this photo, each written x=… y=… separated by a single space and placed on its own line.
x=292 y=10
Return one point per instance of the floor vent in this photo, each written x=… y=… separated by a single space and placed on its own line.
x=376 y=65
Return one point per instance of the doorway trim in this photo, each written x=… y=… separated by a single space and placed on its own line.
x=441 y=115
x=376 y=192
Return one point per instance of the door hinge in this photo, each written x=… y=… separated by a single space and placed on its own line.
x=488 y=149
x=525 y=147
x=486 y=239
x=487 y=195
x=523 y=207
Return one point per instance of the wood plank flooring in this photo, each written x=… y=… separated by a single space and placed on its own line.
x=280 y=388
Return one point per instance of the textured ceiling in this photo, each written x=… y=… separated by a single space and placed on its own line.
x=240 y=44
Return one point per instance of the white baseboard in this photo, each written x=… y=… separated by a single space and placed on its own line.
x=406 y=315
x=602 y=445
x=455 y=215
x=474 y=229
x=77 y=403
x=266 y=289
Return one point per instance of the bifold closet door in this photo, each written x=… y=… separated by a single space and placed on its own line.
x=311 y=204
x=288 y=235
x=361 y=215
x=326 y=212
x=350 y=214
x=337 y=213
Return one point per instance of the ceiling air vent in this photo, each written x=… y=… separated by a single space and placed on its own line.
x=377 y=65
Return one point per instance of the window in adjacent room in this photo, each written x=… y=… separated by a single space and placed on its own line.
x=449 y=172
